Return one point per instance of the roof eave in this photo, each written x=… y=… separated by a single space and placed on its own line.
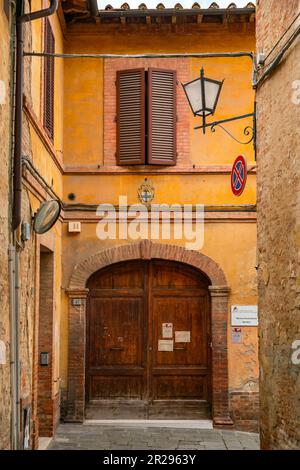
x=176 y=12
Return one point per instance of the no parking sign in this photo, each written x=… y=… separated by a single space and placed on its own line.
x=239 y=175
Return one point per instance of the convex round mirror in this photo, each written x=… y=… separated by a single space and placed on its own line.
x=46 y=216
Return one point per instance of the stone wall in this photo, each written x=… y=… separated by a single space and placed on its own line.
x=40 y=301
x=4 y=228
x=279 y=229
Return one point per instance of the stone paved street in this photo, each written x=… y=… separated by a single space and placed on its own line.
x=99 y=437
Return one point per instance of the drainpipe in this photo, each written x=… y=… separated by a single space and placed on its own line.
x=93 y=7
x=14 y=282
x=17 y=175
x=14 y=350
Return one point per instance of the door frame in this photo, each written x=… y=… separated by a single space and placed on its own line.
x=148 y=294
x=147 y=250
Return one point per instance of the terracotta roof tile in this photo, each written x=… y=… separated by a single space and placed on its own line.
x=204 y=4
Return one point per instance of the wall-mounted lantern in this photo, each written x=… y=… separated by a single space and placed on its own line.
x=203 y=95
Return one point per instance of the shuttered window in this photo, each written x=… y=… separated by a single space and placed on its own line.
x=131 y=117
x=146 y=117
x=162 y=117
x=49 y=47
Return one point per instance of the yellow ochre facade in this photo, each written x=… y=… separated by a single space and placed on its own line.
x=79 y=167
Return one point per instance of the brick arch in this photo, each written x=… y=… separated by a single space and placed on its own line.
x=78 y=295
x=146 y=250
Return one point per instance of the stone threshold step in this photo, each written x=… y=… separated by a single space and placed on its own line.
x=154 y=423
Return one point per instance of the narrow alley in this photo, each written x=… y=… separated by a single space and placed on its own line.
x=142 y=437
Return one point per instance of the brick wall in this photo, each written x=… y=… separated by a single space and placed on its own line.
x=244 y=407
x=219 y=293
x=278 y=231
x=4 y=228
x=111 y=66
x=46 y=402
x=272 y=19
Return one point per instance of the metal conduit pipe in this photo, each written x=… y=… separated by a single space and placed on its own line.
x=274 y=64
x=93 y=7
x=147 y=55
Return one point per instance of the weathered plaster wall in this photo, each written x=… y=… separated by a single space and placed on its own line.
x=5 y=65
x=45 y=156
x=278 y=230
x=92 y=175
x=88 y=83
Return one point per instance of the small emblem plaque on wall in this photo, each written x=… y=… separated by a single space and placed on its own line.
x=236 y=335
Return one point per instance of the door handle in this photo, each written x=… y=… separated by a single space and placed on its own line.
x=179 y=349
x=116 y=349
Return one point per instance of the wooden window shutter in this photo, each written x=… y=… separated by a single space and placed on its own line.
x=162 y=117
x=131 y=117
x=49 y=47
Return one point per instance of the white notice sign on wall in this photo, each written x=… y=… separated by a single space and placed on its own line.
x=167 y=330
x=182 y=336
x=165 y=345
x=2 y=353
x=244 y=315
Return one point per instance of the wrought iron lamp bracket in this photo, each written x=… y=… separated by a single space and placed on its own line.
x=248 y=131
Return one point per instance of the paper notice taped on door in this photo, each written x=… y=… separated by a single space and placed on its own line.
x=165 y=345
x=167 y=330
x=2 y=353
x=182 y=336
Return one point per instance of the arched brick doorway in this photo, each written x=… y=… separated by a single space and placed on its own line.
x=146 y=250
x=148 y=340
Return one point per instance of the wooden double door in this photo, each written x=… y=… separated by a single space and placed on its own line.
x=148 y=333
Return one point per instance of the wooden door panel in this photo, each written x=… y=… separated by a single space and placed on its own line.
x=115 y=335
x=129 y=302
x=185 y=314
x=123 y=387
x=170 y=275
x=187 y=387
x=120 y=276
x=116 y=363
x=182 y=373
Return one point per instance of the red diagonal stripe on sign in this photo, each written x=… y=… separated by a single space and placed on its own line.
x=237 y=173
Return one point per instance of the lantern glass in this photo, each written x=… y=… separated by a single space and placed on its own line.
x=194 y=95
x=203 y=94
x=212 y=91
